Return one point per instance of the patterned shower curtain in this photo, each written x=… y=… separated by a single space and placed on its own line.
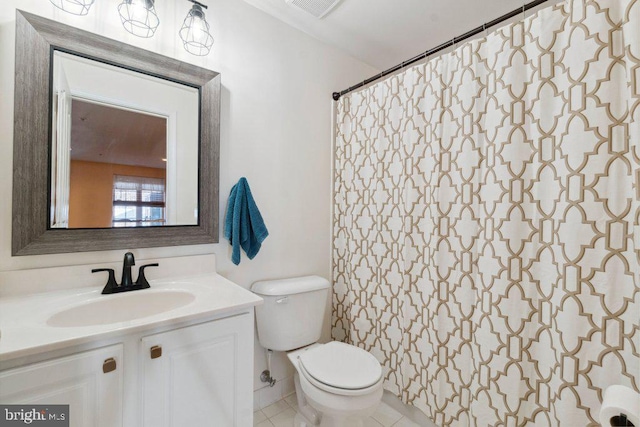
x=486 y=221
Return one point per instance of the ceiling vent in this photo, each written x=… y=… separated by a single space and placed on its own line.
x=317 y=8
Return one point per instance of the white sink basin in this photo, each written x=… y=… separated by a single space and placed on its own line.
x=121 y=308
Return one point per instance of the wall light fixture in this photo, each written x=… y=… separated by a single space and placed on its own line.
x=195 y=32
x=139 y=17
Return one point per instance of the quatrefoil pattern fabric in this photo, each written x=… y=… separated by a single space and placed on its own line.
x=485 y=221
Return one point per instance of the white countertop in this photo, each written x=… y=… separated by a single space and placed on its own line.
x=23 y=319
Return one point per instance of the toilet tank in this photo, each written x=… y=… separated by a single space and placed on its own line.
x=293 y=311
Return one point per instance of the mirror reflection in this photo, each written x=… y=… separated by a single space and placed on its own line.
x=118 y=167
x=124 y=147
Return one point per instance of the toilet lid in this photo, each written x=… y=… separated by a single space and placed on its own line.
x=342 y=365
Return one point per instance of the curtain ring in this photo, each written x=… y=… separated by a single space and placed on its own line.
x=426 y=59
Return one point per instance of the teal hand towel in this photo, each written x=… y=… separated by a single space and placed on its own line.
x=243 y=225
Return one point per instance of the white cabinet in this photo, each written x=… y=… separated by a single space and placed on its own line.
x=90 y=382
x=199 y=375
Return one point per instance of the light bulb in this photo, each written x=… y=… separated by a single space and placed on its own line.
x=199 y=33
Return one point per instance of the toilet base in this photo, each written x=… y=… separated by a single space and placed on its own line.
x=312 y=414
x=301 y=421
x=306 y=415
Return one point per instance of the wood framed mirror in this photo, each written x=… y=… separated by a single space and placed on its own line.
x=151 y=195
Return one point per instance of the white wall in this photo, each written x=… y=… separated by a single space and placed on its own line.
x=276 y=131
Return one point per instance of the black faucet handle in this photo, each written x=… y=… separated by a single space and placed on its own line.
x=142 y=280
x=111 y=285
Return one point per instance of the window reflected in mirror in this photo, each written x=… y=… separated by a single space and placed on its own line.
x=138 y=201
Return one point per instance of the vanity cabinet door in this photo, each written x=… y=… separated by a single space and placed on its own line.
x=199 y=375
x=90 y=383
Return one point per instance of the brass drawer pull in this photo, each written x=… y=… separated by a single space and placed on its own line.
x=109 y=365
x=156 y=351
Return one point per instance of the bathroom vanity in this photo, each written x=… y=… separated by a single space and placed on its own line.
x=179 y=353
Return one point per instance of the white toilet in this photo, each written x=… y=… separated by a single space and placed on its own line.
x=337 y=384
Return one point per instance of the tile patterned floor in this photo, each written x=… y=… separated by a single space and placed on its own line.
x=281 y=414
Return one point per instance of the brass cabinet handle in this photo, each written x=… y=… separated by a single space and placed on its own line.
x=109 y=365
x=156 y=351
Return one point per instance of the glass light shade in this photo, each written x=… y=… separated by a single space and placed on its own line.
x=195 y=32
x=75 y=7
x=139 y=17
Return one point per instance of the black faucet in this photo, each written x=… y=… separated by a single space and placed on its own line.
x=129 y=260
x=127 y=283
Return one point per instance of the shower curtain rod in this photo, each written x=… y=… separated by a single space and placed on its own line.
x=452 y=42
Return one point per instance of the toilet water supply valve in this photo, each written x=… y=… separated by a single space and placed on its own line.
x=265 y=377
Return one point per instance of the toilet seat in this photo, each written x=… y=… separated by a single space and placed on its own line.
x=338 y=391
x=341 y=368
